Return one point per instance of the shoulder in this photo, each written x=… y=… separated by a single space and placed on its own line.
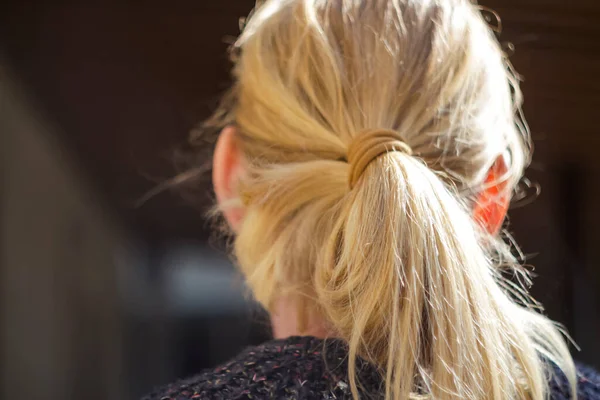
x=588 y=385
x=290 y=369
x=307 y=368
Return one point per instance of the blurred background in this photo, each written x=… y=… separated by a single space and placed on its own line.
x=100 y=299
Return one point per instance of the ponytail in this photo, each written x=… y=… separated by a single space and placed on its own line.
x=406 y=282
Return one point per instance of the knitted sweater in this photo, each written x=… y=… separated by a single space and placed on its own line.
x=311 y=368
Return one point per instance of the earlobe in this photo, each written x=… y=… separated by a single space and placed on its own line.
x=227 y=169
x=492 y=203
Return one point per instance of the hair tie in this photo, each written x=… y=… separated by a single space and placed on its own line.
x=369 y=145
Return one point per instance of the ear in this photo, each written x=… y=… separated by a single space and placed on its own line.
x=492 y=203
x=227 y=169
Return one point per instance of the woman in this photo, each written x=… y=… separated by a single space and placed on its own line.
x=368 y=152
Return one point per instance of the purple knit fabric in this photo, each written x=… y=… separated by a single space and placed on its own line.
x=311 y=368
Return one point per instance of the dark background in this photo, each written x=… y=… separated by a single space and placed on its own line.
x=101 y=299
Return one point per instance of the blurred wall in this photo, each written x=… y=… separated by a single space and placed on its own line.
x=60 y=321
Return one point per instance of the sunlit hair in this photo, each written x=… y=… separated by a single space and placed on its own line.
x=397 y=264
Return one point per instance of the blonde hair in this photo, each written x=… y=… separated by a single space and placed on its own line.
x=396 y=264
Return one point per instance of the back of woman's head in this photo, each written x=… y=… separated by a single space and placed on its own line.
x=388 y=251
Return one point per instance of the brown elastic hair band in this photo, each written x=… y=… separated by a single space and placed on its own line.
x=368 y=145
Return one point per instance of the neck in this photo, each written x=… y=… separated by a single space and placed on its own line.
x=284 y=320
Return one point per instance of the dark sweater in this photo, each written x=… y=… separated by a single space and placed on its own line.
x=310 y=368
